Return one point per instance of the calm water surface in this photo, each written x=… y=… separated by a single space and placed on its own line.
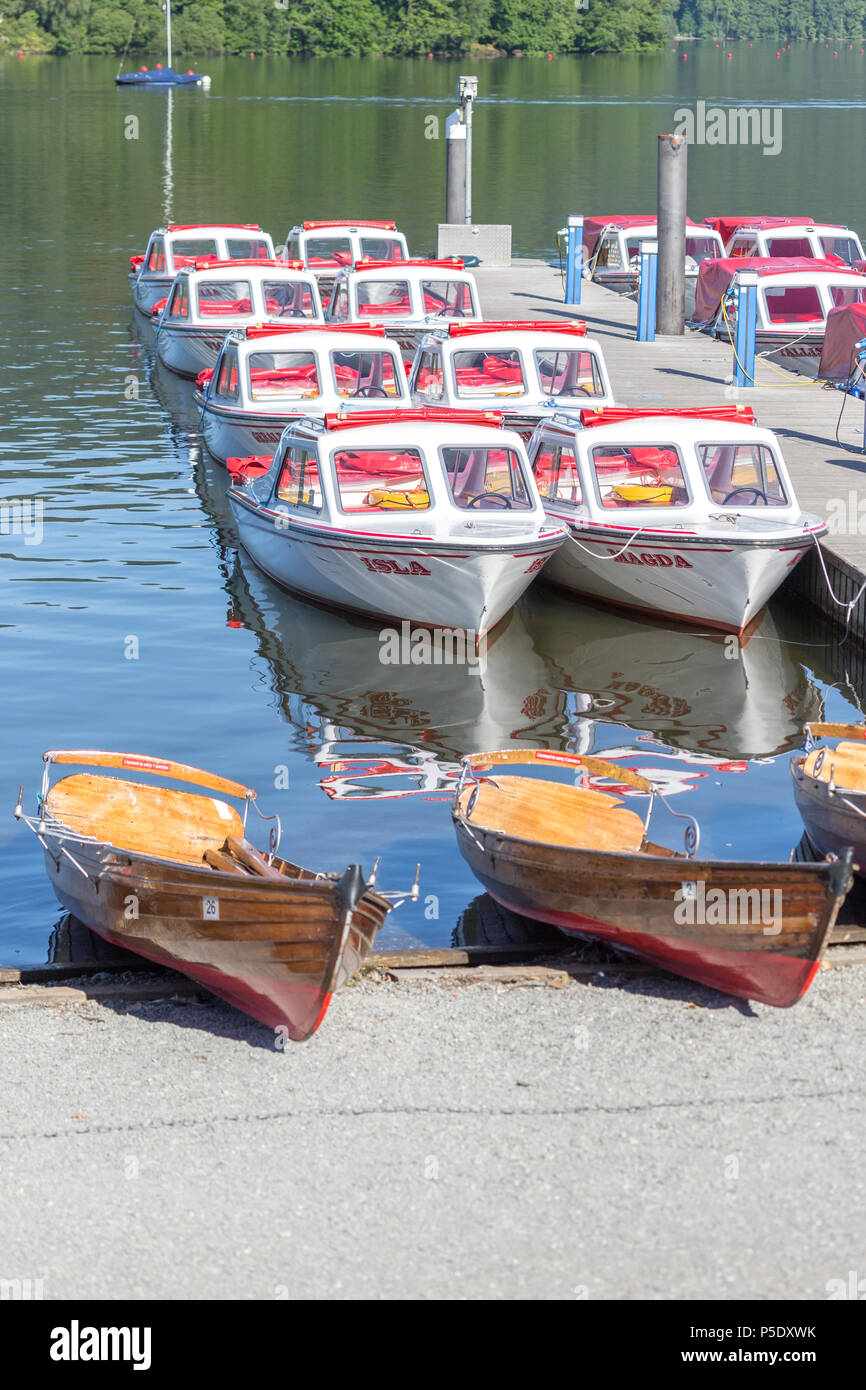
x=137 y=541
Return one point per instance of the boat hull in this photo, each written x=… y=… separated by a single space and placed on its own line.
x=722 y=584
x=430 y=583
x=230 y=434
x=148 y=290
x=832 y=823
x=189 y=351
x=635 y=902
x=277 y=952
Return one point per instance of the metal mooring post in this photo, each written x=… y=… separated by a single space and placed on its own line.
x=455 y=167
x=467 y=91
x=747 y=313
x=671 y=231
x=574 y=260
x=646 y=303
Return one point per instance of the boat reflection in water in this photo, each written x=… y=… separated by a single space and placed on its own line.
x=550 y=674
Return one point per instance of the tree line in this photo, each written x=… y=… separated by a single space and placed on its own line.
x=322 y=28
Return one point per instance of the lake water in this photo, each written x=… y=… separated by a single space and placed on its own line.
x=137 y=542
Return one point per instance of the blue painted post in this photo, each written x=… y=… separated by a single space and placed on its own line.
x=646 y=303
x=747 y=314
x=574 y=260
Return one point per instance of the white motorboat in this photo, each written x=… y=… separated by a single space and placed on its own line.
x=172 y=247
x=794 y=298
x=207 y=301
x=328 y=246
x=267 y=377
x=523 y=369
x=787 y=236
x=611 y=247
x=429 y=516
x=410 y=298
x=690 y=514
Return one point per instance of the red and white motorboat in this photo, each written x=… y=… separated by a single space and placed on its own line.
x=429 y=516
x=410 y=298
x=208 y=300
x=794 y=298
x=525 y=369
x=331 y=245
x=171 y=248
x=771 y=237
x=268 y=376
x=611 y=247
x=689 y=514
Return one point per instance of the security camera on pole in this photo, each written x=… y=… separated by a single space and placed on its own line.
x=458 y=235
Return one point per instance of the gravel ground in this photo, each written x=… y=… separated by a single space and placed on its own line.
x=436 y=1139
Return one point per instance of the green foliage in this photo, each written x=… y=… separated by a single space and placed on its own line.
x=786 y=20
x=23 y=32
x=360 y=27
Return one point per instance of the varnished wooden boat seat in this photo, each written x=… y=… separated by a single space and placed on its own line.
x=553 y=813
x=847 y=762
x=156 y=821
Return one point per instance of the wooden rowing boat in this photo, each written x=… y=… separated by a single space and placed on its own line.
x=171 y=875
x=830 y=790
x=577 y=857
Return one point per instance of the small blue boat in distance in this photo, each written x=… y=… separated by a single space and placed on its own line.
x=163 y=76
x=160 y=77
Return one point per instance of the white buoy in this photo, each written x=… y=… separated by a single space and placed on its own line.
x=205 y=82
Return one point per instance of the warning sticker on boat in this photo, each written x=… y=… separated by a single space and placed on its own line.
x=211 y=909
x=146 y=764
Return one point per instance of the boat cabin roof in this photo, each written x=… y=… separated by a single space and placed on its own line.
x=370 y=433
x=635 y=224
x=666 y=472
x=256 y=290
x=161 y=257
x=323 y=337
x=660 y=428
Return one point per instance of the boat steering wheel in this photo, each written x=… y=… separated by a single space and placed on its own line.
x=756 y=492
x=480 y=497
x=372 y=391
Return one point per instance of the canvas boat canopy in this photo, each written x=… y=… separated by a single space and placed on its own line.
x=845 y=328
x=804 y=303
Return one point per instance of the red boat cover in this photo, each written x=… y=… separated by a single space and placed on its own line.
x=714 y=277
x=594 y=226
x=426 y=413
x=577 y=328
x=618 y=414
x=367 y=263
x=200 y=226
x=253 y=466
x=211 y=263
x=135 y=262
x=266 y=330
x=350 y=222
x=727 y=226
x=845 y=327
x=204 y=377
x=158 y=307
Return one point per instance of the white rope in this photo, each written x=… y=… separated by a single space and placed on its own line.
x=840 y=603
x=616 y=554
